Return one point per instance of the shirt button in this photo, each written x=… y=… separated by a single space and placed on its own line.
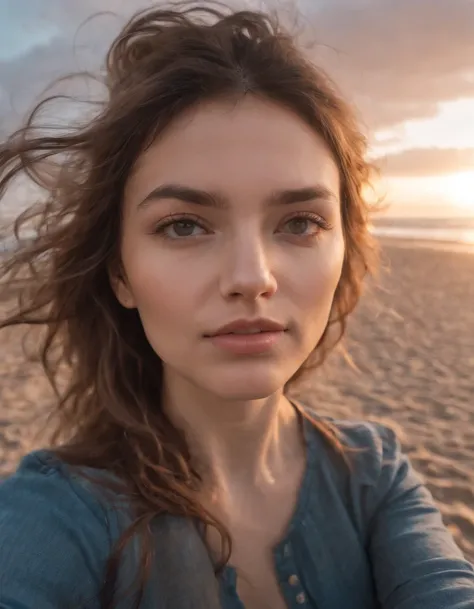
x=301 y=598
x=293 y=580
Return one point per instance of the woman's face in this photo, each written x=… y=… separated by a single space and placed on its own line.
x=233 y=215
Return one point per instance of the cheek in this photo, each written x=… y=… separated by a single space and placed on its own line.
x=315 y=281
x=163 y=294
x=165 y=303
x=316 y=300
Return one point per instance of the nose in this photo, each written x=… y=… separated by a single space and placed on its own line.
x=246 y=271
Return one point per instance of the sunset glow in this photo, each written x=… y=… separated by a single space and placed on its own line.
x=439 y=178
x=459 y=189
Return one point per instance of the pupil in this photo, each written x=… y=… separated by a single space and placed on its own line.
x=298 y=225
x=183 y=228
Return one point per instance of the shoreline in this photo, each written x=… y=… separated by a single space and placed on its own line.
x=443 y=246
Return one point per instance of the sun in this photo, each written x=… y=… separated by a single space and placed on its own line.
x=458 y=188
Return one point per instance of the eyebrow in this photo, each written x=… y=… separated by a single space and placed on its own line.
x=216 y=200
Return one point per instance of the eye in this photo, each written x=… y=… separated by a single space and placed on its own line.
x=299 y=226
x=180 y=228
x=183 y=228
x=304 y=225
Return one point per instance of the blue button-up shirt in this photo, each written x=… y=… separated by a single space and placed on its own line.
x=365 y=538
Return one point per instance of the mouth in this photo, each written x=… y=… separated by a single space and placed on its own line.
x=244 y=327
x=246 y=332
x=248 y=337
x=257 y=343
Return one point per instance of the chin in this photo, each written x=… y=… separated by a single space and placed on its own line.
x=245 y=385
x=248 y=394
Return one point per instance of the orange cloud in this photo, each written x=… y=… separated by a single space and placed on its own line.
x=397 y=59
x=421 y=162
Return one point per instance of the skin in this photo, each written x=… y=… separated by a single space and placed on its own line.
x=249 y=257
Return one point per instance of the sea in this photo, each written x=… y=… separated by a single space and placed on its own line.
x=442 y=233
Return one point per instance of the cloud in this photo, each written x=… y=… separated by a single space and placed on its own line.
x=425 y=162
x=398 y=58
x=395 y=59
x=80 y=44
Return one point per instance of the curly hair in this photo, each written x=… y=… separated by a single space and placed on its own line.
x=93 y=351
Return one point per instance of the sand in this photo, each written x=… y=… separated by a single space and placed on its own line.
x=412 y=340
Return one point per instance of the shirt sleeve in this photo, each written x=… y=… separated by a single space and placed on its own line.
x=53 y=541
x=415 y=561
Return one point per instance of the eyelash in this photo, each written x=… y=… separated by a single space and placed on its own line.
x=160 y=228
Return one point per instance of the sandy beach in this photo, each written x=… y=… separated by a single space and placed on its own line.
x=412 y=340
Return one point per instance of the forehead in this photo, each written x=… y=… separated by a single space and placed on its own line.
x=243 y=149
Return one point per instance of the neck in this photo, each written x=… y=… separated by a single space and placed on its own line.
x=235 y=442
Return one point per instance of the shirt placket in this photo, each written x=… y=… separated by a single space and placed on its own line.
x=289 y=578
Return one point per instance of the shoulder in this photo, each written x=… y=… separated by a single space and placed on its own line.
x=55 y=534
x=374 y=460
x=375 y=470
x=42 y=475
x=369 y=447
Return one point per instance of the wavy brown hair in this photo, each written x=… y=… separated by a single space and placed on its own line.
x=94 y=352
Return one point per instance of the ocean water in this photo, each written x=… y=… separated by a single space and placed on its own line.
x=440 y=231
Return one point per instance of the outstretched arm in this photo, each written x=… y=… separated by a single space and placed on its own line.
x=415 y=561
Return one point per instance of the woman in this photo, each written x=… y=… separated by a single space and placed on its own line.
x=204 y=240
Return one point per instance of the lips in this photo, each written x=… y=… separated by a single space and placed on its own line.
x=249 y=327
x=248 y=337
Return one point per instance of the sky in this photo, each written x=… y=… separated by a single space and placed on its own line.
x=407 y=66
